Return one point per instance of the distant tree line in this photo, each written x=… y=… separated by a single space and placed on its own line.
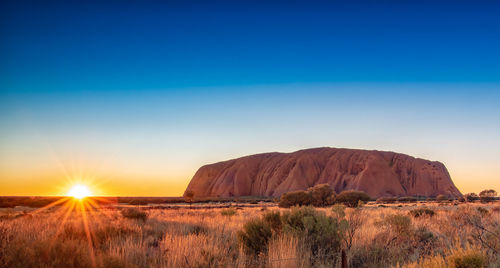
x=322 y=195
x=484 y=196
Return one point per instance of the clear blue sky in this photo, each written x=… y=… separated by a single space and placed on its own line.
x=139 y=94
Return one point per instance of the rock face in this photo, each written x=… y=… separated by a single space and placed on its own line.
x=377 y=173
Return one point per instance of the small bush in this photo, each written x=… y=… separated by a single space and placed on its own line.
x=134 y=213
x=422 y=212
x=228 y=212
x=424 y=236
x=189 y=197
x=255 y=236
x=352 y=198
x=469 y=258
x=399 y=223
x=273 y=220
x=320 y=233
x=297 y=198
x=482 y=211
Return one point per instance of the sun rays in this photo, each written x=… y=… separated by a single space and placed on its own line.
x=80 y=204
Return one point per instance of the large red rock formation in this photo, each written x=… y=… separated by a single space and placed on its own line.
x=374 y=172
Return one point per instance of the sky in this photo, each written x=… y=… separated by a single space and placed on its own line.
x=132 y=97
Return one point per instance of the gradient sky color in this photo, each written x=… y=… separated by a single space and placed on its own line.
x=133 y=97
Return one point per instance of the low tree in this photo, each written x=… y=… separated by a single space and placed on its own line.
x=352 y=198
x=470 y=197
x=322 y=195
x=490 y=193
x=297 y=198
x=487 y=195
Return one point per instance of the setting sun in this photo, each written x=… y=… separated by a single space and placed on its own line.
x=79 y=191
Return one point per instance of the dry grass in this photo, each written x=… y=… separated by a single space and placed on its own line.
x=58 y=237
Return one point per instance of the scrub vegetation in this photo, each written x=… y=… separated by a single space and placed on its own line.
x=400 y=234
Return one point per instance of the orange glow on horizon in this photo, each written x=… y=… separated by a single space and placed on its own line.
x=467 y=178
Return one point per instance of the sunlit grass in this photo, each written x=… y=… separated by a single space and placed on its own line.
x=91 y=233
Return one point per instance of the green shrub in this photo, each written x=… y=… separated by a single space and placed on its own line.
x=134 y=213
x=255 y=236
x=228 y=212
x=297 y=198
x=320 y=233
x=424 y=236
x=469 y=258
x=352 y=198
x=422 y=212
x=316 y=231
x=273 y=220
x=322 y=195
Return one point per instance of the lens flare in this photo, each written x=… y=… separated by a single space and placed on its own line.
x=79 y=191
